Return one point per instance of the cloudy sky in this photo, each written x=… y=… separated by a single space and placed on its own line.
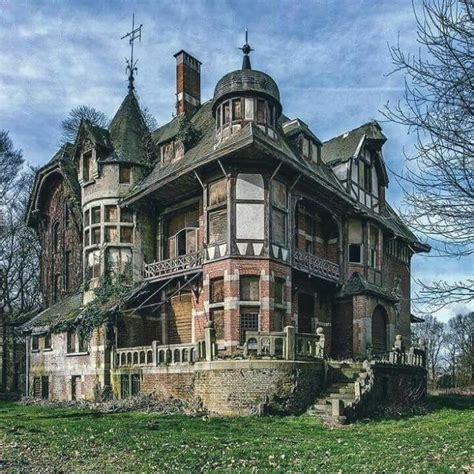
x=329 y=57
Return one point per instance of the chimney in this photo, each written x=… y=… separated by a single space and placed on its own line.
x=188 y=83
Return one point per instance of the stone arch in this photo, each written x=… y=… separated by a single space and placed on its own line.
x=379 y=329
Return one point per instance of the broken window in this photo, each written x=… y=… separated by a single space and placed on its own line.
x=355 y=253
x=124 y=174
x=250 y=288
x=93 y=264
x=217 y=192
x=126 y=235
x=47 y=341
x=111 y=234
x=236 y=109
x=35 y=343
x=181 y=232
x=217 y=290
x=111 y=213
x=217 y=226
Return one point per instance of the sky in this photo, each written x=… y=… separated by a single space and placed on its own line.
x=330 y=59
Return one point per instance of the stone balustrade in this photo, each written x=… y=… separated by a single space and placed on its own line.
x=399 y=355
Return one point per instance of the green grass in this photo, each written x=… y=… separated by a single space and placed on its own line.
x=45 y=439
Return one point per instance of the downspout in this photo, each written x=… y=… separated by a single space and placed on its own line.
x=27 y=363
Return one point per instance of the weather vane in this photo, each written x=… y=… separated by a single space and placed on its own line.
x=246 y=49
x=131 y=68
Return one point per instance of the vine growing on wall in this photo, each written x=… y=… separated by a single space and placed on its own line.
x=187 y=134
x=108 y=297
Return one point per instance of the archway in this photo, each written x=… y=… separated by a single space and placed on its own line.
x=379 y=329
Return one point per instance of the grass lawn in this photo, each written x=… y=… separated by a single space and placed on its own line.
x=45 y=439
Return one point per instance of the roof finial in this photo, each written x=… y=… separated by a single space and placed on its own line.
x=246 y=49
x=131 y=68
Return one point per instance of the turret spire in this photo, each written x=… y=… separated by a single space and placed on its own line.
x=246 y=49
x=131 y=69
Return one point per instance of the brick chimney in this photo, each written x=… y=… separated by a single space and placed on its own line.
x=188 y=83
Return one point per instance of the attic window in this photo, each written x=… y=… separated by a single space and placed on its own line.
x=86 y=165
x=124 y=174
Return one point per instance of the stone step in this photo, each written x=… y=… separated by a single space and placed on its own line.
x=342 y=396
x=346 y=389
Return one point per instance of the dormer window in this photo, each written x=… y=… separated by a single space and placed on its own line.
x=86 y=166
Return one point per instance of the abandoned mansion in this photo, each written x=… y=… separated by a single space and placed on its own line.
x=228 y=256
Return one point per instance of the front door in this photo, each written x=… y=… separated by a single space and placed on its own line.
x=379 y=330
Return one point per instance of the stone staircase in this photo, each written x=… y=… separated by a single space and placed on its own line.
x=340 y=392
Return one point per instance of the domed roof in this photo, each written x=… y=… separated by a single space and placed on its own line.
x=246 y=81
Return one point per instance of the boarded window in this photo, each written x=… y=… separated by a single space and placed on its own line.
x=126 y=235
x=111 y=214
x=250 y=288
x=218 y=192
x=217 y=290
x=278 y=291
x=250 y=221
x=236 y=109
x=249 y=187
x=279 y=195
x=124 y=174
x=111 y=234
x=278 y=227
x=355 y=253
x=217 y=316
x=217 y=226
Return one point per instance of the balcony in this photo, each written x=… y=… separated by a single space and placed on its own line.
x=182 y=265
x=316 y=266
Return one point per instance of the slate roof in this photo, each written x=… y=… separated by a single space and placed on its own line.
x=344 y=146
x=205 y=150
x=128 y=133
x=65 y=310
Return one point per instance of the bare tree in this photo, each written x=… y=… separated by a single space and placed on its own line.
x=438 y=107
x=433 y=333
x=11 y=161
x=70 y=125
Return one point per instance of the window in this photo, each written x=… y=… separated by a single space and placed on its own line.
x=355 y=253
x=279 y=213
x=368 y=178
x=217 y=211
x=83 y=343
x=373 y=241
x=93 y=264
x=47 y=341
x=124 y=386
x=248 y=322
x=124 y=174
x=86 y=218
x=126 y=235
x=261 y=111
x=86 y=166
x=66 y=215
x=135 y=384
x=118 y=260
x=226 y=113
x=36 y=387
x=67 y=269
x=95 y=233
x=306 y=147
x=217 y=316
x=236 y=109
x=95 y=214
x=126 y=215
x=217 y=290
x=56 y=238
x=111 y=234
x=71 y=342
x=35 y=343
x=45 y=387
x=250 y=288
x=278 y=291
x=87 y=238
x=75 y=387
x=111 y=214
x=56 y=287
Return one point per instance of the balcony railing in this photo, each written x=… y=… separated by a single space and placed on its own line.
x=173 y=266
x=317 y=266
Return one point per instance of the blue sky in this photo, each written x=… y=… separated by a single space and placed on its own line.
x=330 y=59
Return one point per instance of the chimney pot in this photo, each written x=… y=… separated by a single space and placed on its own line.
x=188 y=83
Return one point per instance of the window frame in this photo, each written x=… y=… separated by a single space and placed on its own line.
x=361 y=253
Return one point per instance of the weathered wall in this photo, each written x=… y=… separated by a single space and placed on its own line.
x=60 y=366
